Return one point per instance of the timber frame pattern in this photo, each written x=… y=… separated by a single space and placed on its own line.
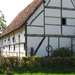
x=51 y=35
x=26 y=24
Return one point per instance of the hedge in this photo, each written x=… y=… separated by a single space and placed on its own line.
x=58 y=61
x=8 y=61
x=36 y=61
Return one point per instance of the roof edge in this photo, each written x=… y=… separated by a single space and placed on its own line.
x=20 y=13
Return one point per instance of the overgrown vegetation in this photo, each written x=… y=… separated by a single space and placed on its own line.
x=60 y=62
x=62 y=52
x=8 y=61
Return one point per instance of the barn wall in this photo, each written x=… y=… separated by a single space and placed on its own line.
x=48 y=24
x=16 y=47
x=45 y=30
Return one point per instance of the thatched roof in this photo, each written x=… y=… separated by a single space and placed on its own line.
x=22 y=17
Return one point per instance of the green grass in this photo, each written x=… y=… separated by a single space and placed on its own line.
x=43 y=74
x=42 y=71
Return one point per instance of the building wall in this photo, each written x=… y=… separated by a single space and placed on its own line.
x=48 y=24
x=13 y=47
x=45 y=30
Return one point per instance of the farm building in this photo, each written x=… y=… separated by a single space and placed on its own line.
x=40 y=28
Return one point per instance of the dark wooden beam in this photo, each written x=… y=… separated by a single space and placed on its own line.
x=48 y=35
x=53 y=7
x=39 y=46
x=26 y=39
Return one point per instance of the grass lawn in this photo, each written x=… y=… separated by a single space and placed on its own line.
x=43 y=71
x=40 y=74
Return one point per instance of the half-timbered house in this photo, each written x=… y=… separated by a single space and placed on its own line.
x=43 y=26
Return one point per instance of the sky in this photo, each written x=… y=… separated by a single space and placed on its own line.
x=11 y=8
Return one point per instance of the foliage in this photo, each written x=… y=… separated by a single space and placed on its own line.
x=40 y=65
x=8 y=62
x=30 y=62
x=2 y=62
x=62 y=52
x=36 y=61
x=28 y=58
x=2 y=21
x=12 y=61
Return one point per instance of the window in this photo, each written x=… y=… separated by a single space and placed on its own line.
x=63 y=21
x=9 y=47
x=8 y=39
x=13 y=39
x=18 y=36
x=14 y=47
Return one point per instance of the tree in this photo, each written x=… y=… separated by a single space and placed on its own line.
x=2 y=21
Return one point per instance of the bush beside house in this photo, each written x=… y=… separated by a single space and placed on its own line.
x=61 y=57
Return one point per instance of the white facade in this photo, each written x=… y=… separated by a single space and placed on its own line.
x=52 y=26
x=13 y=47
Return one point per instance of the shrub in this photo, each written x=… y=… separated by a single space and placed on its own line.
x=58 y=61
x=29 y=58
x=26 y=58
x=62 y=52
x=13 y=61
x=37 y=58
x=2 y=62
x=31 y=61
x=8 y=62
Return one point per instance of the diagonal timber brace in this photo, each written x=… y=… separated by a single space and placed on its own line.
x=39 y=46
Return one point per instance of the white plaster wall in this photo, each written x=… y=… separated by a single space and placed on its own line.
x=17 y=33
x=22 y=34
x=53 y=3
x=68 y=13
x=35 y=30
x=73 y=2
x=65 y=42
x=12 y=52
x=7 y=42
x=22 y=51
x=52 y=12
x=68 y=30
x=52 y=30
x=33 y=42
x=42 y=50
x=55 y=21
x=54 y=42
x=21 y=40
x=67 y=4
x=56 y=3
x=39 y=19
x=3 y=42
x=70 y=22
